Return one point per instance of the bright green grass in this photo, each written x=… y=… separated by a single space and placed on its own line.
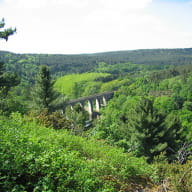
x=65 y=84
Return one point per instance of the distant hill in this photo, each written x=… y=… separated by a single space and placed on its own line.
x=27 y=64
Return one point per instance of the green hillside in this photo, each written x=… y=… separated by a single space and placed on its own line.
x=68 y=84
x=142 y=138
x=26 y=65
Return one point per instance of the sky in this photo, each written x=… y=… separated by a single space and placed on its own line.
x=90 y=26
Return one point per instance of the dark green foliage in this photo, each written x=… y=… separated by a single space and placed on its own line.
x=147 y=127
x=7 y=80
x=5 y=33
x=135 y=124
x=153 y=132
x=44 y=95
x=11 y=104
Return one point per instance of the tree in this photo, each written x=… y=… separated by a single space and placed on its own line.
x=78 y=117
x=44 y=95
x=5 y=33
x=153 y=132
x=7 y=79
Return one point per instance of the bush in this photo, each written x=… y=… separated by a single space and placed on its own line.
x=175 y=176
x=54 y=119
x=34 y=158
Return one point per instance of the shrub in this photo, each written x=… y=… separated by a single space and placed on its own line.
x=34 y=158
x=54 y=119
x=175 y=176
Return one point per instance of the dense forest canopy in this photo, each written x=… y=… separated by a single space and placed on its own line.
x=27 y=64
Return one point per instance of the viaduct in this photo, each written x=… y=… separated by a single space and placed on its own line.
x=92 y=103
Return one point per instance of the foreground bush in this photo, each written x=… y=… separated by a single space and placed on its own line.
x=174 y=176
x=36 y=159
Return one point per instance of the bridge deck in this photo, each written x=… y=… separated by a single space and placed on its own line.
x=81 y=99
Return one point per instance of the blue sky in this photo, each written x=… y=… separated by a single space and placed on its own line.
x=87 y=26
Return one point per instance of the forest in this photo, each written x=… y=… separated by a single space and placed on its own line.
x=141 y=140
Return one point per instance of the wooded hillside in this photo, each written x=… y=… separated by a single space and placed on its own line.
x=26 y=65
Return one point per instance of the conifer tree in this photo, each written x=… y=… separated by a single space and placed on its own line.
x=5 y=33
x=44 y=95
x=152 y=133
x=7 y=79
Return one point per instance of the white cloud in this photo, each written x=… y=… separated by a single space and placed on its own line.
x=125 y=4
x=30 y=4
x=77 y=26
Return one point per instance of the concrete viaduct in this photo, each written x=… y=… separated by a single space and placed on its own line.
x=92 y=102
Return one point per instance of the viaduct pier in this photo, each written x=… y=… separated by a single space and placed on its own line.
x=92 y=103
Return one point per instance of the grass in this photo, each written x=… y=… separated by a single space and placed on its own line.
x=66 y=83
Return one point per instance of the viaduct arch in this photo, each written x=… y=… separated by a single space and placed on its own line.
x=88 y=102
